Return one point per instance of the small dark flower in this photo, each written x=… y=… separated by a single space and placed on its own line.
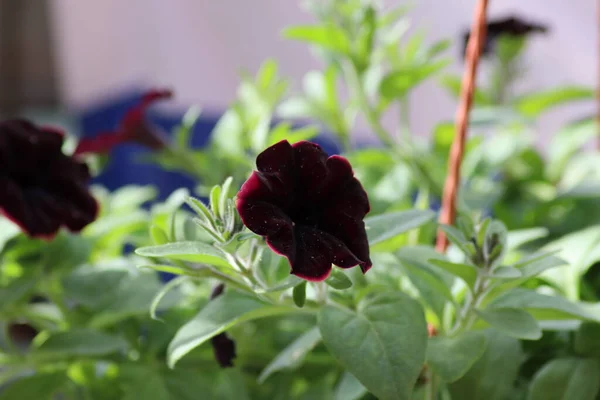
x=310 y=208
x=134 y=128
x=223 y=346
x=42 y=188
x=509 y=26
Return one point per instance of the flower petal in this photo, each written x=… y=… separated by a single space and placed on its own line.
x=316 y=251
x=262 y=218
x=311 y=169
x=99 y=144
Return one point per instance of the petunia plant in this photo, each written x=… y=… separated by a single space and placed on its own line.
x=302 y=265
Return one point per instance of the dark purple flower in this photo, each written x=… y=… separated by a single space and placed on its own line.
x=42 y=188
x=134 y=128
x=310 y=208
x=509 y=26
x=223 y=346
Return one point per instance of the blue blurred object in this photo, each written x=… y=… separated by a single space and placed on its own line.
x=123 y=168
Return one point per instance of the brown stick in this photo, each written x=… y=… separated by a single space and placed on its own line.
x=476 y=40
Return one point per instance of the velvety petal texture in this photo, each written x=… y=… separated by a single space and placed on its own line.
x=508 y=26
x=309 y=207
x=133 y=128
x=42 y=188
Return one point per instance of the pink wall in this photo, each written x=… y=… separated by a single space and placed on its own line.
x=199 y=46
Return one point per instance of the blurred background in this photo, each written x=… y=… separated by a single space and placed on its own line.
x=81 y=64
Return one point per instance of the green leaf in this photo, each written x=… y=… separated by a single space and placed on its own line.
x=514 y=322
x=517 y=238
x=587 y=341
x=292 y=355
x=173 y=283
x=329 y=37
x=39 y=386
x=453 y=85
x=456 y=237
x=579 y=249
x=567 y=143
x=567 y=379
x=399 y=82
x=541 y=306
x=368 y=344
x=299 y=294
x=80 y=343
x=16 y=291
x=349 y=388
x=283 y=131
x=389 y=225
x=493 y=376
x=466 y=272
x=131 y=197
x=532 y=105
x=8 y=230
x=198 y=252
x=338 y=280
x=217 y=316
x=159 y=236
x=215 y=196
x=504 y=272
x=452 y=357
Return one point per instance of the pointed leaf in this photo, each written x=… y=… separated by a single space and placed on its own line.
x=218 y=315
x=293 y=354
x=389 y=225
x=452 y=357
x=514 y=322
x=198 y=252
x=368 y=344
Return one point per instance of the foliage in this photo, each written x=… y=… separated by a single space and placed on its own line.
x=511 y=310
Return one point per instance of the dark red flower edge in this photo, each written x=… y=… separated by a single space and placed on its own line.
x=133 y=128
x=223 y=346
x=309 y=207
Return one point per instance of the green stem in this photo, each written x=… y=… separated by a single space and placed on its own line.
x=465 y=317
x=355 y=85
x=404 y=123
x=421 y=203
x=432 y=387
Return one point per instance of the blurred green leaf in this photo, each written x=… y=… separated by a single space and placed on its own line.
x=8 y=230
x=293 y=354
x=452 y=357
x=453 y=85
x=198 y=252
x=587 y=340
x=567 y=379
x=541 y=306
x=218 y=315
x=517 y=238
x=513 y=322
x=338 y=280
x=349 y=388
x=329 y=37
x=398 y=83
x=80 y=343
x=466 y=272
x=567 y=143
x=532 y=105
x=386 y=226
x=492 y=377
x=367 y=344
x=41 y=386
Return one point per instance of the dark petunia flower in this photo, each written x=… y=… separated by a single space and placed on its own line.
x=509 y=26
x=223 y=346
x=310 y=208
x=42 y=188
x=134 y=128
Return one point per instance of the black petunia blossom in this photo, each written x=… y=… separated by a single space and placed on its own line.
x=309 y=207
x=509 y=26
x=42 y=188
x=223 y=346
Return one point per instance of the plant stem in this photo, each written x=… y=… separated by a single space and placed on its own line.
x=355 y=85
x=432 y=387
x=404 y=123
x=449 y=198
